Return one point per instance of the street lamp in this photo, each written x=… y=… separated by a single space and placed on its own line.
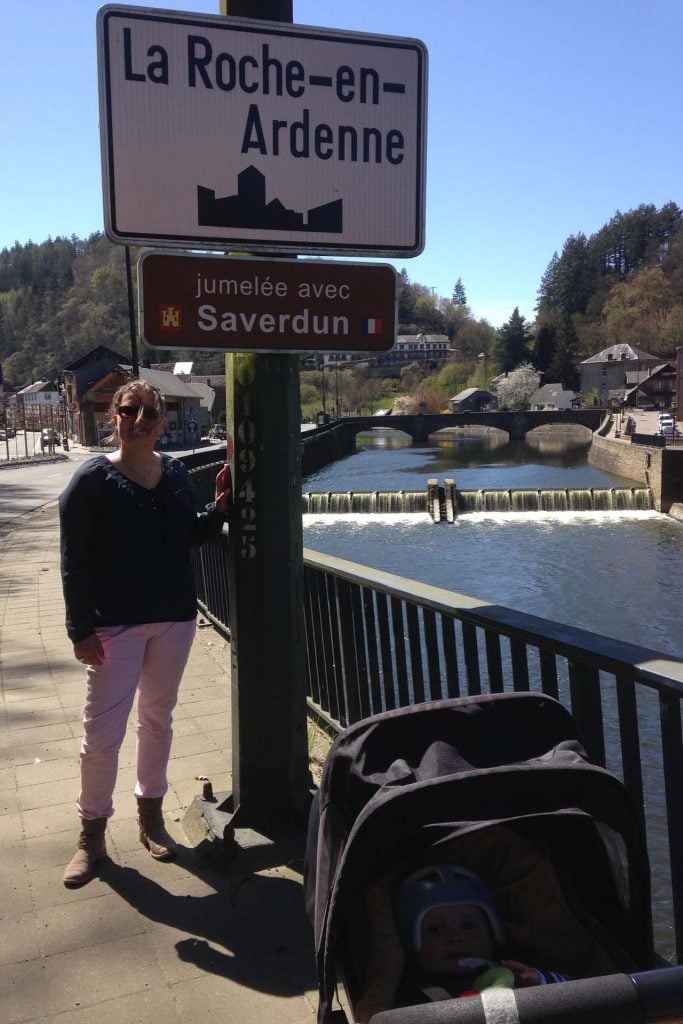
x=482 y=357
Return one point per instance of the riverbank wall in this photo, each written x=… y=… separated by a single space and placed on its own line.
x=660 y=469
x=321 y=447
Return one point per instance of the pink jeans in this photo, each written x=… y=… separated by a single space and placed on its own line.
x=151 y=659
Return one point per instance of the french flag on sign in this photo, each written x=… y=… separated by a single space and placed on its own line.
x=371 y=326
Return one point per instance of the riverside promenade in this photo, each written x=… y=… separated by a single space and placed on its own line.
x=144 y=942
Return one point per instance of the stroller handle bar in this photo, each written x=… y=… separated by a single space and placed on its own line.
x=644 y=998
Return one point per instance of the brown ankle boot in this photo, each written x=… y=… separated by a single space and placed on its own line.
x=91 y=849
x=153 y=832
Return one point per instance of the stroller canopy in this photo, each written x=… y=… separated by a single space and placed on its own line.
x=500 y=781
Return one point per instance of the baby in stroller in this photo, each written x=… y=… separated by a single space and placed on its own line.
x=453 y=937
x=437 y=934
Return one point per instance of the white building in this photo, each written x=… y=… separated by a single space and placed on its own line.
x=416 y=348
x=551 y=396
x=408 y=348
x=43 y=393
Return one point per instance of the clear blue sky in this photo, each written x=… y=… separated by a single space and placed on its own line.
x=545 y=118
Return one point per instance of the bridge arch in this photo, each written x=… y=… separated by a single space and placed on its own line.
x=338 y=438
x=446 y=435
x=558 y=436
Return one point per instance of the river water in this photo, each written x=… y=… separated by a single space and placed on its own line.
x=615 y=573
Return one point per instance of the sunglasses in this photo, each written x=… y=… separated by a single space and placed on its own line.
x=148 y=411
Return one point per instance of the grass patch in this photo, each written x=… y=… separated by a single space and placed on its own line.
x=319 y=742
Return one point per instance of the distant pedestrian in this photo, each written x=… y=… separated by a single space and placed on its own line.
x=127 y=525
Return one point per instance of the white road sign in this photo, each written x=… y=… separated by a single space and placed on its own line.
x=230 y=133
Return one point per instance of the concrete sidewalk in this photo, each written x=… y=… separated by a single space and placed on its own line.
x=145 y=942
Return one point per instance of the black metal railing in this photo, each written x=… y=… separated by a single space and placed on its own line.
x=658 y=440
x=377 y=641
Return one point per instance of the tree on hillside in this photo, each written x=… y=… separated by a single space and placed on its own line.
x=563 y=367
x=412 y=376
x=417 y=308
x=579 y=280
x=544 y=347
x=547 y=293
x=452 y=377
x=517 y=387
x=426 y=315
x=513 y=341
x=672 y=261
x=19 y=368
x=476 y=336
x=58 y=300
x=454 y=318
x=635 y=239
x=567 y=281
x=459 y=297
x=645 y=311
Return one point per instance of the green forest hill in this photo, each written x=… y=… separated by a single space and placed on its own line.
x=63 y=297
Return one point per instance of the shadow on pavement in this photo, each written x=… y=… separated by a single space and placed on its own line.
x=253 y=931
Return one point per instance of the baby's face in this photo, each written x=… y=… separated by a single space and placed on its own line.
x=451 y=933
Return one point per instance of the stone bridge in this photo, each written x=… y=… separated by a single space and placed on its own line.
x=338 y=438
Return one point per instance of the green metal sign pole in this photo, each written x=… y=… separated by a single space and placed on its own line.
x=271 y=780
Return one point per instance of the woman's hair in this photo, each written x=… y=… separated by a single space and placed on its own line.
x=136 y=389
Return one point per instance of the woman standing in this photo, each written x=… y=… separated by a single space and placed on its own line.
x=127 y=526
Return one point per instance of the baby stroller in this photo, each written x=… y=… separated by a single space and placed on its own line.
x=501 y=785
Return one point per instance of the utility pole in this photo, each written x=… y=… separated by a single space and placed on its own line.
x=131 y=317
x=271 y=783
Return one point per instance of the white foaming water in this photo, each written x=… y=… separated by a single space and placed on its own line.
x=420 y=518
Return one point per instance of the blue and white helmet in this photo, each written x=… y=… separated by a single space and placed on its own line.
x=440 y=885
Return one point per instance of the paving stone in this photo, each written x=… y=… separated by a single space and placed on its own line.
x=87 y=923
x=47 y=793
x=39 y=771
x=95 y=974
x=24 y=991
x=152 y=1006
x=19 y=939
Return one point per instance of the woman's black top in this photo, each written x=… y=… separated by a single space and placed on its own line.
x=125 y=550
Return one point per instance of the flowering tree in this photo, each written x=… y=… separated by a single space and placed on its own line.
x=515 y=389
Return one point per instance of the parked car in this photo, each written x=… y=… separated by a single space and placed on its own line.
x=7 y=432
x=666 y=425
x=49 y=436
x=218 y=432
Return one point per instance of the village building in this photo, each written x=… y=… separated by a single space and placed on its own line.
x=91 y=380
x=606 y=370
x=552 y=396
x=472 y=400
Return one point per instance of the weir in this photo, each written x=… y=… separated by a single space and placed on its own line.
x=367 y=502
x=445 y=503
x=563 y=499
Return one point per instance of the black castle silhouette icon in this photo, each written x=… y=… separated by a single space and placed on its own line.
x=249 y=209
